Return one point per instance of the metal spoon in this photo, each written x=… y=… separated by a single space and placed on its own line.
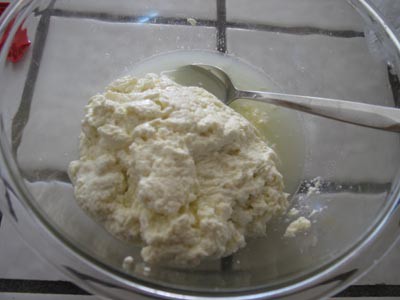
x=218 y=83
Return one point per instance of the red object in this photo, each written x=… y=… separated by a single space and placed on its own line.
x=20 y=43
x=3 y=6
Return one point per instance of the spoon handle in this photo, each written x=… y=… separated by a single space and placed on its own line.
x=368 y=115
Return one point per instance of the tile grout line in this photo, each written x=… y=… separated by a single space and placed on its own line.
x=296 y=30
x=21 y=117
x=40 y=287
x=136 y=19
x=160 y=20
x=221 y=26
x=58 y=287
x=394 y=83
x=377 y=290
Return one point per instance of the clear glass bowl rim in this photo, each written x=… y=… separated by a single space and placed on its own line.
x=101 y=280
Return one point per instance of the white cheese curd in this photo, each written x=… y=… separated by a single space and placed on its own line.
x=176 y=168
x=300 y=225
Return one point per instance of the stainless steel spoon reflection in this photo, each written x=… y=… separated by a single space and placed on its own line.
x=217 y=82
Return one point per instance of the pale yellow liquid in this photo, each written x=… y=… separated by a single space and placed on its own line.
x=281 y=128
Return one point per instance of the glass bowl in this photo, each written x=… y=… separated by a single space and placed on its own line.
x=336 y=49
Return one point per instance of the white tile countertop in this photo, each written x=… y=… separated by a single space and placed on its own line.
x=34 y=273
x=23 y=274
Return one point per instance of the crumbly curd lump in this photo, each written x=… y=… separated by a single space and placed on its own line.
x=300 y=225
x=175 y=168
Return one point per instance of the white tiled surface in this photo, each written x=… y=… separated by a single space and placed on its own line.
x=18 y=261
x=328 y=14
x=314 y=65
x=323 y=66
